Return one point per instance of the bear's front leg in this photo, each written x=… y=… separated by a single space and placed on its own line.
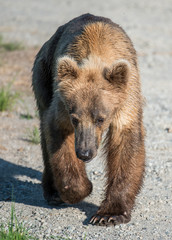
x=69 y=175
x=125 y=170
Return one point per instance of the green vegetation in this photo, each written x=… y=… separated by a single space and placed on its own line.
x=33 y=135
x=7 y=98
x=26 y=116
x=10 y=46
x=26 y=113
x=16 y=230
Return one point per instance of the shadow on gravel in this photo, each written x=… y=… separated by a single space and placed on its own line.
x=88 y=208
x=25 y=184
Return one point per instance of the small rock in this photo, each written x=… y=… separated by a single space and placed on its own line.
x=168 y=129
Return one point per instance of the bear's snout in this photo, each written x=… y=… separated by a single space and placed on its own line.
x=85 y=155
x=86 y=144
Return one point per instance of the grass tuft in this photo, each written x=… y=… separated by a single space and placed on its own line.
x=16 y=230
x=26 y=116
x=7 y=98
x=33 y=135
x=10 y=46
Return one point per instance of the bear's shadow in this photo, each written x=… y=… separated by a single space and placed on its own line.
x=23 y=185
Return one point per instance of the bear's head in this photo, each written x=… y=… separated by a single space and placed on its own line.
x=92 y=93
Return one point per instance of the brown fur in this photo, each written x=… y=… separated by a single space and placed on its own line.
x=96 y=89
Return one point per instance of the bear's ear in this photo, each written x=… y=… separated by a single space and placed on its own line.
x=67 y=68
x=118 y=73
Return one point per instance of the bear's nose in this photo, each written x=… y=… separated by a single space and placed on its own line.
x=84 y=155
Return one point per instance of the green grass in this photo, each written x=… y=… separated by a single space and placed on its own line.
x=10 y=46
x=7 y=98
x=16 y=230
x=26 y=116
x=33 y=135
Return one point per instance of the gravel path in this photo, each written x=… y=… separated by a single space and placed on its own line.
x=148 y=23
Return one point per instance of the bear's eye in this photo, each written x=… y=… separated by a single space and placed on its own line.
x=75 y=121
x=99 y=121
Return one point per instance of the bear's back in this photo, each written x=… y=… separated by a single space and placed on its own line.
x=75 y=28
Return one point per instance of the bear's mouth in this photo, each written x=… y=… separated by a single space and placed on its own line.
x=87 y=161
x=85 y=155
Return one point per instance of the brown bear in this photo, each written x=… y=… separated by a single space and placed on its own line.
x=86 y=83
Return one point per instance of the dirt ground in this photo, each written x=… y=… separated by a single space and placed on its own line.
x=148 y=23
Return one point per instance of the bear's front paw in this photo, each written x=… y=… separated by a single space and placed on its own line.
x=109 y=220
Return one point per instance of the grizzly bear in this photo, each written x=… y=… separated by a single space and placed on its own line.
x=86 y=84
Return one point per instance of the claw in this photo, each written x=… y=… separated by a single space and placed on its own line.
x=96 y=220
x=91 y=221
x=102 y=221
x=109 y=221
